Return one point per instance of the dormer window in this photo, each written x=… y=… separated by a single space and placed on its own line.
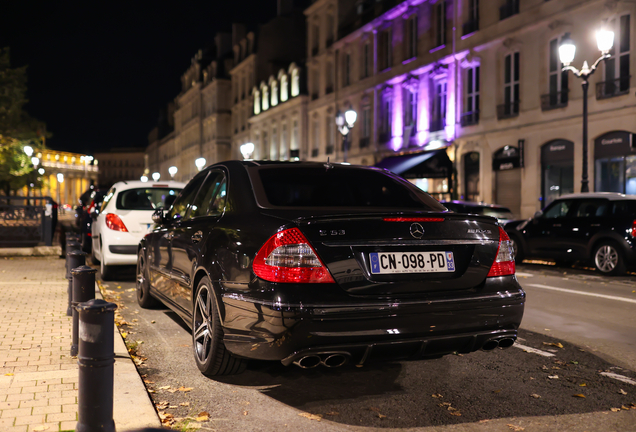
x=284 y=93
x=274 y=85
x=257 y=102
x=295 y=83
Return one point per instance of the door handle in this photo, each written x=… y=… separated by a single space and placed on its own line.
x=197 y=236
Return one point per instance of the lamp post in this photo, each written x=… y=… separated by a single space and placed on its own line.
x=172 y=171
x=567 y=49
x=144 y=178
x=60 y=181
x=156 y=176
x=200 y=163
x=345 y=123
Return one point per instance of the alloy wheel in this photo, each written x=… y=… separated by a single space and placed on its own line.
x=202 y=328
x=606 y=258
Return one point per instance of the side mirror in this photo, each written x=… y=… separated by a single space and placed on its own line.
x=538 y=214
x=157 y=216
x=94 y=215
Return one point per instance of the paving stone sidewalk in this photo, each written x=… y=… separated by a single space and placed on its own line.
x=38 y=377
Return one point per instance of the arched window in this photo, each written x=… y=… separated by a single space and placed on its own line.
x=295 y=82
x=274 y=85
x=265 y=99
x=257 y=102
x=284 y=92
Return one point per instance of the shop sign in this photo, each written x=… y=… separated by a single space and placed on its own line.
x=557 y=151
x=506 y=158
x=617 y=143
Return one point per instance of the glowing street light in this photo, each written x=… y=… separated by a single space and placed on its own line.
x=247 y=150
x=156 y=176
x=35 y=161
x=173 y=170
x=345 y=123
x=200 y=163
x=41 y=171
x=28 y=150
x=144 y=178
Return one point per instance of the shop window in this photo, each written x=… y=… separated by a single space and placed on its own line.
x=471 y=176
x=557 y=169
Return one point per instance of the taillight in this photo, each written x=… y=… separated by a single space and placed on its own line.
x=413 y=219
x=115 y=223
x=634 y=229
x=288 y=257
x=504 y=264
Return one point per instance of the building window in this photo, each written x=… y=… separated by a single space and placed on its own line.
x=295 y=83
x=284 y=155
x=316 y=38
x=347 y=70
x=617 y=67
x=366 y=60
x=440 y=23
x=257 y=102
x=243 y=88
x=438 y=119
x=265 y=99
x=294 y=138
x=273 y=148
x=329 y=77
x=386 y=111
x=410 y=109
x=330 y=21
x=316 y=144
x=331 y=132
x=557 y=80
x=510 y=107
x=274 y=85
x=384 y=49
x=284 y=92
x=410 y=37
x=471 y=109
x=508 y=9
x=472 y=24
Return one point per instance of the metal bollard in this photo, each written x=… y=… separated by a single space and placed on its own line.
x=74 y=259
x=83 y=291
x=96 y=364
x=71 y=246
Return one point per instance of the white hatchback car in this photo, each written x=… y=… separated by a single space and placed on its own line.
x=124 y=219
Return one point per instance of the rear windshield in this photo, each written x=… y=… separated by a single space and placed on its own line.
x=499 y=213
x=338 y=187
x=144 y=198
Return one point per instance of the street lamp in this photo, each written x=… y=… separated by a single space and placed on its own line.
x=156 y=176
x=247 y=150
x=28 y=150
x=144 y=178
x=60 y=180
x=567 y=49
x=172 y=171
x=200 y=163
x=345 y=123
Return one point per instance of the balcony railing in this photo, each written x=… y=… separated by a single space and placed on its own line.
x=437 y=124
x=469 y=118
x=329 y=149
x=509 y=9
x=314 y=152
x=612 y=88
x=508 y=110
x=364 y=142
x=470 y=27
x=554 y=100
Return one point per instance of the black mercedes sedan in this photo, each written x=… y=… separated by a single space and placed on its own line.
x=323 y=264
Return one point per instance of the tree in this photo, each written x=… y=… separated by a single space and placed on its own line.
x=17 y=128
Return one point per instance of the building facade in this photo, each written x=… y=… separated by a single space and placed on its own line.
x=65 y=176
x=120 y=164
x=467 y=97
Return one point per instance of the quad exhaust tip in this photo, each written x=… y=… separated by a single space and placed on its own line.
x=503 y=343
x=329 y=360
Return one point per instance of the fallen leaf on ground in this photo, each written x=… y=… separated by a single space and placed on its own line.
x=624 y=407
x=153 y=321
x=574 y=362
x=615 y=409
x=164 y=387
x=534 y=395
x=556 y=344
x=203 y=416
x=553 y=376
x=580 y=395
x=381 y=416
x=516 y=428
x=149 y=382
x=484 y=421
x=623 y=392
x=455 y=413
x=8 y=374
x=374 y=409
x=184 y=404
x=497 y=391
x=333 y=413
x=162 y=405
x=124 y=334
x=184 y=389
x=444 y=404
x=437 y=395
x=310 y=416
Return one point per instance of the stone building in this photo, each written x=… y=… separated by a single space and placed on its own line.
x=118 y=164
x=466 y=98
x=65 y=176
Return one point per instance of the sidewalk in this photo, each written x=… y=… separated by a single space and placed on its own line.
x=38 y=378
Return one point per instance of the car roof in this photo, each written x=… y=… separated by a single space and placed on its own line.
x=476 y=204
x=611 y=196
x=133 y=184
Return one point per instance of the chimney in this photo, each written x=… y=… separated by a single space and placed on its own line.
x=223 y=42
x=238 y=33
x=285 y=7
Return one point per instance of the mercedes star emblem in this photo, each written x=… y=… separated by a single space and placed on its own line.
x=417 y=231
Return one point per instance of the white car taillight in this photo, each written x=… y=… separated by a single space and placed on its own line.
x=504 y=264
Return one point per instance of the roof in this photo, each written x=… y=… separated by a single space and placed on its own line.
x=611 y=196
x=129 y=184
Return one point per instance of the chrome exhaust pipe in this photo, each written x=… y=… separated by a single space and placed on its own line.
x=490 y=345
x=308 y=362
x=506 y=342
x=334 y=361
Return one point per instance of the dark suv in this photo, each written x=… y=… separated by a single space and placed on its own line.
x=599 y=228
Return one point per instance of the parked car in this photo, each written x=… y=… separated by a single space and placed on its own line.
x=310 y=263
x=597 y=228
x=89 y=213
x=80 y=209
x=503 y=214
x=123 y=220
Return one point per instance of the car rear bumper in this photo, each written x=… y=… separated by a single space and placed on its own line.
x=270 y=331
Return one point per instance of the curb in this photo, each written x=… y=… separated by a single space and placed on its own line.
x=37 y=251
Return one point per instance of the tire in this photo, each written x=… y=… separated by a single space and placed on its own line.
x=608 y=259
x=144 y=298
x=517 y=247
x=210 y=354
x=107 y=271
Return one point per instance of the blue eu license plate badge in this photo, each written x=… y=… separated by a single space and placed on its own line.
x=375 y=263
x=450 y=264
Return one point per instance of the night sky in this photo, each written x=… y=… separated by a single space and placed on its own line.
x=99 y=72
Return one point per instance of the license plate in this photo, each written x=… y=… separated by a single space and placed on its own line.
x=411 y=262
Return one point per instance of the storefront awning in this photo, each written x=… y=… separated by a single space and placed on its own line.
x=430 y=164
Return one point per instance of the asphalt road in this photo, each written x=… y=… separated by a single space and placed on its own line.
x=554 y=388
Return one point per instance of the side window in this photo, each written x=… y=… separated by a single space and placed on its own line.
x=592 y=208
x=211 y=191
x=109 y=195
x=624 y=208
x=183 y=202
x=558 y=209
